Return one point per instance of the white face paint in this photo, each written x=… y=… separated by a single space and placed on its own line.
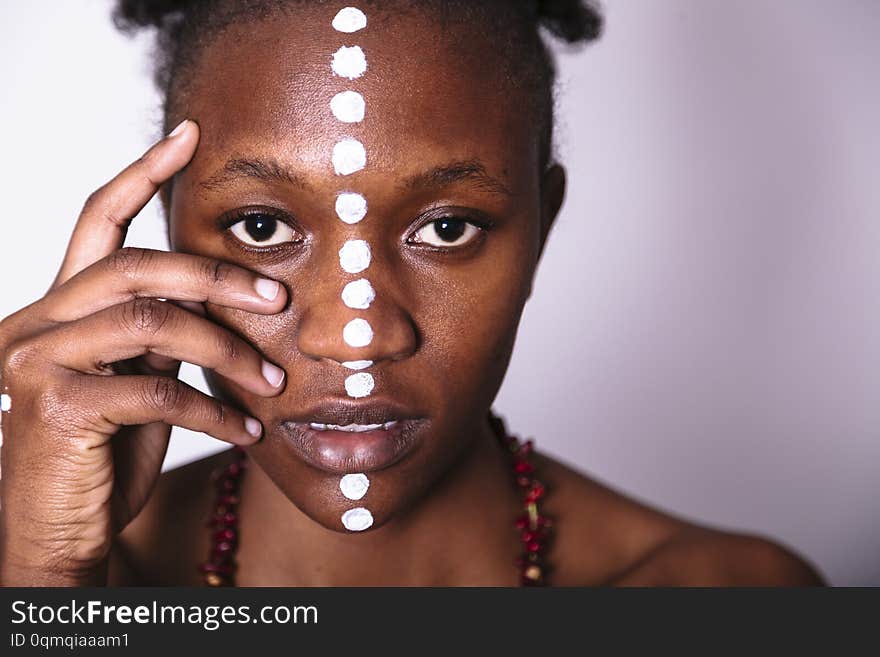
x=351 y=208
x=359 y=385
x=349 y=62
x=357 y=364
x=358 y=294
x=350 y=20
x=354 y=256
x=354 y=486
x=5 y=402
x=349 y=156
x=357 y=520
x=348 y=107
x=357 y=333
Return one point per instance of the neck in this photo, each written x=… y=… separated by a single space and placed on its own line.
x=444 y=540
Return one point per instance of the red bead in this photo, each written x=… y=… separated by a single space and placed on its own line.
x=229 y=518
x=536 y=493
x=229 y=500
x=528 y=537
x=533 y=546
x=523 y=467
x=522 y=522
x=223 y=547
x=233 y=469
x=224 y=535
x=526 y=448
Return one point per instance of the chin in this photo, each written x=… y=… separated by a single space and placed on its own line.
x=355 y=480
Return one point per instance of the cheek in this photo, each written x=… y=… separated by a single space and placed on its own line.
x=469 y=314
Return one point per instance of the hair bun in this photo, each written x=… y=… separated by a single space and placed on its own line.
x=131 y=15
x=571 y=20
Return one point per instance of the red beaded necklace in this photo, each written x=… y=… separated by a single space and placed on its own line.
x=534 y=528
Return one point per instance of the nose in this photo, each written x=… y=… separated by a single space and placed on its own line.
x=329 y=329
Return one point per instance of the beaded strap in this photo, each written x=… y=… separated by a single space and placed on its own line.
x=219 y=569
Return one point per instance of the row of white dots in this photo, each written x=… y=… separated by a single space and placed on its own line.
x=350 y=156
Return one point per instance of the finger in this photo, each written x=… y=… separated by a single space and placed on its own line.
x=156 y=364
x=133 y=400
x=104 y=220
x=130 y=273
x=149 y=326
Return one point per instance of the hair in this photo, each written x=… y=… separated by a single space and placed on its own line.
x=184 y=27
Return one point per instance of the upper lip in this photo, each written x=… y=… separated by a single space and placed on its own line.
x=341 y=412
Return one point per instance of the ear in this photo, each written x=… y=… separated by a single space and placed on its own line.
x=552 y=195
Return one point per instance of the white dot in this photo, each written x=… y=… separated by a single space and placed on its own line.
x=357 y=520
x=349 y=156
x=357 y=364
x=348 y=107
x=350 y=20
x=354 y=256
x=351 y=208
x=357 y=333
x=349 y=62
x=359 y=385
x=354 y=486
x=5 y=402
x=358 y=294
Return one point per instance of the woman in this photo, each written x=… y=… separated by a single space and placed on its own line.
x=357 y=199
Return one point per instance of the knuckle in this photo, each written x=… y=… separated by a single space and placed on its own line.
x=129 y=261
x=229 y=347
x=218 y=412
x=145 y=315
x=165 y=394
x=216 y=272
x=54 y=402
x=94 y=201
x=17 y=356
x=144 y=164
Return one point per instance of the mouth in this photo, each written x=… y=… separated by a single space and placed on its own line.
x=343 y=437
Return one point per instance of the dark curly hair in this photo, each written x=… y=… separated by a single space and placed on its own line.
x=185 y=26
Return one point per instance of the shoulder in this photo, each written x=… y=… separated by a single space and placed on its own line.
x=179 y=507
x=604 y=537
x=705 y=557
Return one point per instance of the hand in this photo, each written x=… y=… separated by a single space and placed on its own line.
x=91 y=370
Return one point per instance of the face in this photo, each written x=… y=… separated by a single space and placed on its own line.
x=457 y=208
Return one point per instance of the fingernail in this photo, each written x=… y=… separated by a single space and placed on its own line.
x=267 y=289
x=253 y=427
x=180 y=128
x=274 y=375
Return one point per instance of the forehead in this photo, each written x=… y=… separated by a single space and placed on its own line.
x=432 y=90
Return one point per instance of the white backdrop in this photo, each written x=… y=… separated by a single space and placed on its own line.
x=710 y=296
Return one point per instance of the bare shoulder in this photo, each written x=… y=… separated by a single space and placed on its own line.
x=604 y=537
x=163 y=545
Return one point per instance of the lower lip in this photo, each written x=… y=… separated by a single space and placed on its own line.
x=343 y=452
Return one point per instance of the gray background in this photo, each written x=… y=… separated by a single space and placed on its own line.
x=704 y=333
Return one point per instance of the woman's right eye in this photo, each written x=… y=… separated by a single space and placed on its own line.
x=263 y=230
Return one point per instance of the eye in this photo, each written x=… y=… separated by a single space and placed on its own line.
x=446 y=232
x=262 y=229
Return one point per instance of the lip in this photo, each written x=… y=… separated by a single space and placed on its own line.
x=342 y=452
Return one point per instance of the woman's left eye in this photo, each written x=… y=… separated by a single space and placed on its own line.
x=263 y=230
x=448 y=232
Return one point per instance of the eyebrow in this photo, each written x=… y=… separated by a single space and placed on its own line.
x=264 y=169
x=472 y=171
x=272 y=171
